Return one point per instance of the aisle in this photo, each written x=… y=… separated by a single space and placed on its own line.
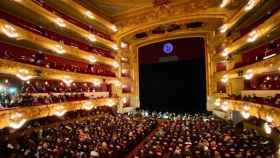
x=142 y=143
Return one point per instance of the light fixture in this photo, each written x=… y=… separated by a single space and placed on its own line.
x=59 y=48
x=92 y=37
x=117 y=83
x=269 y=118
x=16 y=120
x=224 y=107
x=89 y=14
x=269 y=56
x=60 y=112
x=9 y=31
x=249 y=74
x=60 y=22
x=115 y=64
x=245 y=114
x=110 y=103
x=24 y=75
x=223 y=28
x=224 y=3
x=218 y=102
x=67 y=81
x=124 y=86
x=267 y=128
x=88 y=106
x=124 y=100
x=124 y=45
x=96 y=82
x=250 y=5
x=225 y=79
x=253 y=36
x=114 y=28
x=115 y=47
x=92 y=59
x=225 y=52
x=18 y=124
x=124 y=71
x=124 y=59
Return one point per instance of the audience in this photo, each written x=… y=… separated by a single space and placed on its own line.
x=198 y=136
x=105 y=136
x=42 y=59
x=270 y=100
x=103 y=133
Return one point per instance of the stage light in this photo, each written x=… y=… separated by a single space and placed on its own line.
x=97 y=82
x=224 y=3
x=92 y=37
x=9 y=31
x=60 y=22
x=89 y=14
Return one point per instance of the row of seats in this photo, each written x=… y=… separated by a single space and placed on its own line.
x=39 y=58
x=22 y=100
x=198 y=136
x=55 y=36
x=55 y=86
x=104 y=136
x=73 y=20
x=270 y=100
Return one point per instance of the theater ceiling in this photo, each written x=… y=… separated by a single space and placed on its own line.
x=154 y=17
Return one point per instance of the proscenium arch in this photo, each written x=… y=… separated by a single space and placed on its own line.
x=187 y=18
x=134 y=49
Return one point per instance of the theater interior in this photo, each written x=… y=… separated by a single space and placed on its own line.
x=139 y=79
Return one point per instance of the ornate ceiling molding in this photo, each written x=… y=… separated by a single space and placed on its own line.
x=146 y=23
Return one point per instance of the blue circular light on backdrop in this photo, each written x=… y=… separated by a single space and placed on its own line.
x=168 y=48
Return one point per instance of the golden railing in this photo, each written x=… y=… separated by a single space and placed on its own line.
x=16 y=117
x=51 y=45
x=15 y=68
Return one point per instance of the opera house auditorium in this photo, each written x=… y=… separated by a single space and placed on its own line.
x=139 y=79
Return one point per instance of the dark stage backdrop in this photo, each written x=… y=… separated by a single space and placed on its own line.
x=178 y=84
